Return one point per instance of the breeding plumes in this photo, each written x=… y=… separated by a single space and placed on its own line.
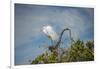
x=50 y=33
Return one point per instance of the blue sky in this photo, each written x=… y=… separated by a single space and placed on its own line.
x=29 y=20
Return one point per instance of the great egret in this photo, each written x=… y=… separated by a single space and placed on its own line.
x=51 y=34
x=48 y=30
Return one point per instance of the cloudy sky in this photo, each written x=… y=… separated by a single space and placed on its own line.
x=30 y=19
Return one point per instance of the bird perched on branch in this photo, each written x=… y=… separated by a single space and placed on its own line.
x=50 y=33
x=48 y=30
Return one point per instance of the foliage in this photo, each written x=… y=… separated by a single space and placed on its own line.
x=78 y=51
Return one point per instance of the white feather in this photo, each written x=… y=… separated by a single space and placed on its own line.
x=48 y=30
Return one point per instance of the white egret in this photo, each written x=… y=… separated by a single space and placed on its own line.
x=51 y=34
x=48 y=30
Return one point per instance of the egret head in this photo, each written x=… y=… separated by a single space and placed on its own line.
x=50 y=33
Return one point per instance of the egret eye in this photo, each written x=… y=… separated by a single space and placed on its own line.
x=49 y=37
